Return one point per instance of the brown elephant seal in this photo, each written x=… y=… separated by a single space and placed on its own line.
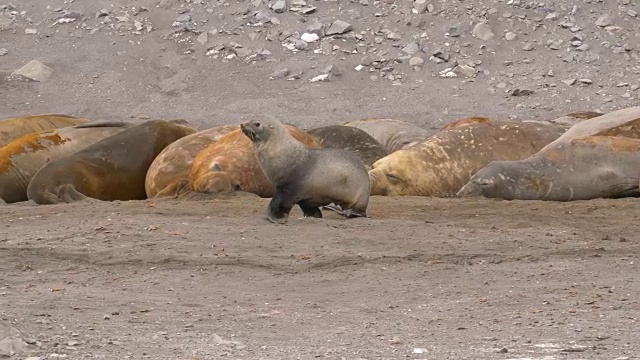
x=13 y=128
x=442 y=164
x=310 y=178
x=467 y=121
x=22 y=158
x=168 y=174
x=582 y=169
x=368 y=149
x=230 y=163
x=393 y=134
x=623 y=122
x=111 y=169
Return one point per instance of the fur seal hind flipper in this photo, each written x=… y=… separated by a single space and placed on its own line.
x=103 y=123
x=348 y=213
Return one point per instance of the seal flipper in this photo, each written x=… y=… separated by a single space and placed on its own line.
x=69 y=194
x=310 y=210
x=348 y=213
x=280 y=206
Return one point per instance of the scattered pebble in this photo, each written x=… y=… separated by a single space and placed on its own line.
x=34 y=70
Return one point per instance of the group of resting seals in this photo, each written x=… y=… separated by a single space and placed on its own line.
x=334 y=167
x=596 y=158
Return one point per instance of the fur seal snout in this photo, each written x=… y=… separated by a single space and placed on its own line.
x=310 y=178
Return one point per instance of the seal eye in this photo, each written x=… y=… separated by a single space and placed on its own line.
x=392 y=178
x=216 y=167
x=482 y=182
x=256 y=124
x=236 y=187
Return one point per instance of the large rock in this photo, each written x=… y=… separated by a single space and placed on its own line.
x=34 y=70
x=483 y=32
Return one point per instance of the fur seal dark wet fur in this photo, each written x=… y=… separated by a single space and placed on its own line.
x=368 y=149
x=111 y=169
x=310 y=178
x=582 y=169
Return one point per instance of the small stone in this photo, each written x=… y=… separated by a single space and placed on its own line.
x=604 y=20
x=586 y=81
x=338 y=27
x=420 y=6
x=3 y=51
x=583 y=47
x=366 y=60
x=416 y=61
x=107 y=317
x=310 y=37
x=321 y=77
x=411 y=48
x=34 y=70
x=279 y=6
x=510 y=36
x=482 y=31
x=30 y=31
x=316 y=28
x=279 y=74
x=521 y=92
x=528 y=47
x=331 y=70
x=393 y=36
x=203 y=38
x=359 y=67
x=5 y=23
x=503 y=351
x=569 y=81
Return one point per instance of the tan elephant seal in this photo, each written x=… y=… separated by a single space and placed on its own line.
x=584 y=168
x=111 y=169
x=168 y=174
x=13 y=128
x=393 y=134
x=230 y=163
x=309 y=178
x=368 y=149
x=467 y=121
x=22 y=158
x=442 y=164
x=623 y=122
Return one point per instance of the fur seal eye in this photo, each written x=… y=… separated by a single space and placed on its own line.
x=236 y=187
x=216 y=167
x=256 y=124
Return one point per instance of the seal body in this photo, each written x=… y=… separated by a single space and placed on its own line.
x=585 y=168
x=111 y=169
x=393 y=134
x=467 y=121
x=230 y=163
x=442 y=164
x=23 y=157
x=310 y=178
x=13 y=128
x=623 y=122
x=368 y=149
x=168 y=174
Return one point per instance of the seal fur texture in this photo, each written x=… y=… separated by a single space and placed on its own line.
x=168 y=175
x=442 y=164
x=13 y=128
x=23 y=157
x=582 y=169
x=368 y=149
x=230 y=162
x=393 y=134
x=310 y=178
x=111 y=169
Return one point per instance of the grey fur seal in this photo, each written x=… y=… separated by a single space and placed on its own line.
x=310 y=178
